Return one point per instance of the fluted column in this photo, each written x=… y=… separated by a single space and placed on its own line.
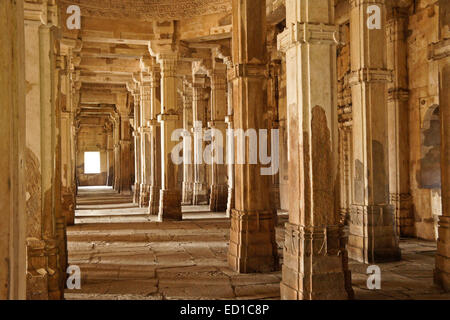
x=219 y=108
x=200 y=105
x=252 y=235
x=170 y=195
x=314 y=259
x=372 y=235
x=43 y=276
x=188 y=147
x=12 y=149
x=398 y=117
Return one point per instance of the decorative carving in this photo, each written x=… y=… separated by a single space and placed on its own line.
x=150 y=10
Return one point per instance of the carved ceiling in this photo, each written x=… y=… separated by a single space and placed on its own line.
x=149 y=10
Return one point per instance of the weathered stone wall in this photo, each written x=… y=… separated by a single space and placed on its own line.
x=424 y=123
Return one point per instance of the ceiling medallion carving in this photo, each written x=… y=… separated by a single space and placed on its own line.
x=149 y=10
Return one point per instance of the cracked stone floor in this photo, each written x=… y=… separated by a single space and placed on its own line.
x=124 y=255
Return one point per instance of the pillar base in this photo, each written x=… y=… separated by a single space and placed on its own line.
x=62 y=250
x=153 y=203
x=170 y=205
x=372 y=235
x=200 y=194
x=144 y=197
x=137 y=193
x=55 y=291
x=313 y=267
x=188 y=193
x=404 y=216
x=37 y=274
x=252 y=242
x=219 y=198
x=442 y=271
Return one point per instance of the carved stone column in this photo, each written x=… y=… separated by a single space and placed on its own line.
x=59 y=214
x=124 y=144
x=272 y=98
x=440 y=52
x=200 y=105
x=398 y=118
x=43 y=276
x=68 y=48
x=314 y=265
x=372 y=235
x=252 y=235
x=137 y=143
x=230 y=139
x=155 y=141
x=12 y=153
x=188 y=147
x=146 y=101
x=110 y=154
x=170 y=195
x=219 y=187
x=117 y=167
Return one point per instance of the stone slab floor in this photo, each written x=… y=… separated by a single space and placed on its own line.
x=123 y=254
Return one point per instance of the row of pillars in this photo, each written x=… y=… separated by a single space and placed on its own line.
x=315 y=253
x=188 y=183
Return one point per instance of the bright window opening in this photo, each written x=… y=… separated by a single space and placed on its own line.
x=92 y=162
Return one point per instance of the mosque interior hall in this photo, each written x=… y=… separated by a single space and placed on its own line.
x=225 y=150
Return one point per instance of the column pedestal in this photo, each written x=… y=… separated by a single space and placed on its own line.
x=169 y=205
x=368 y=223
x=312 y=264
x=252 y=242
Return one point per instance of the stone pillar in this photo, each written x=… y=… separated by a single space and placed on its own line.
x=137 y=144
x=219 y=188
x=440 y=52
x=67 y=135
x=188 y=147
x=230 y=140
x=314 y=265
x=155 y=141
x=12 y=149
x=170 y=195
x=110 y=154
x=146 y=101
x=372 y=235
x=398 y=119
x=59 y=214
x=43 y=276
x=272 y=98
x=117 y=166
x=252 y=235
x=125 y=155
x=200 y=106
